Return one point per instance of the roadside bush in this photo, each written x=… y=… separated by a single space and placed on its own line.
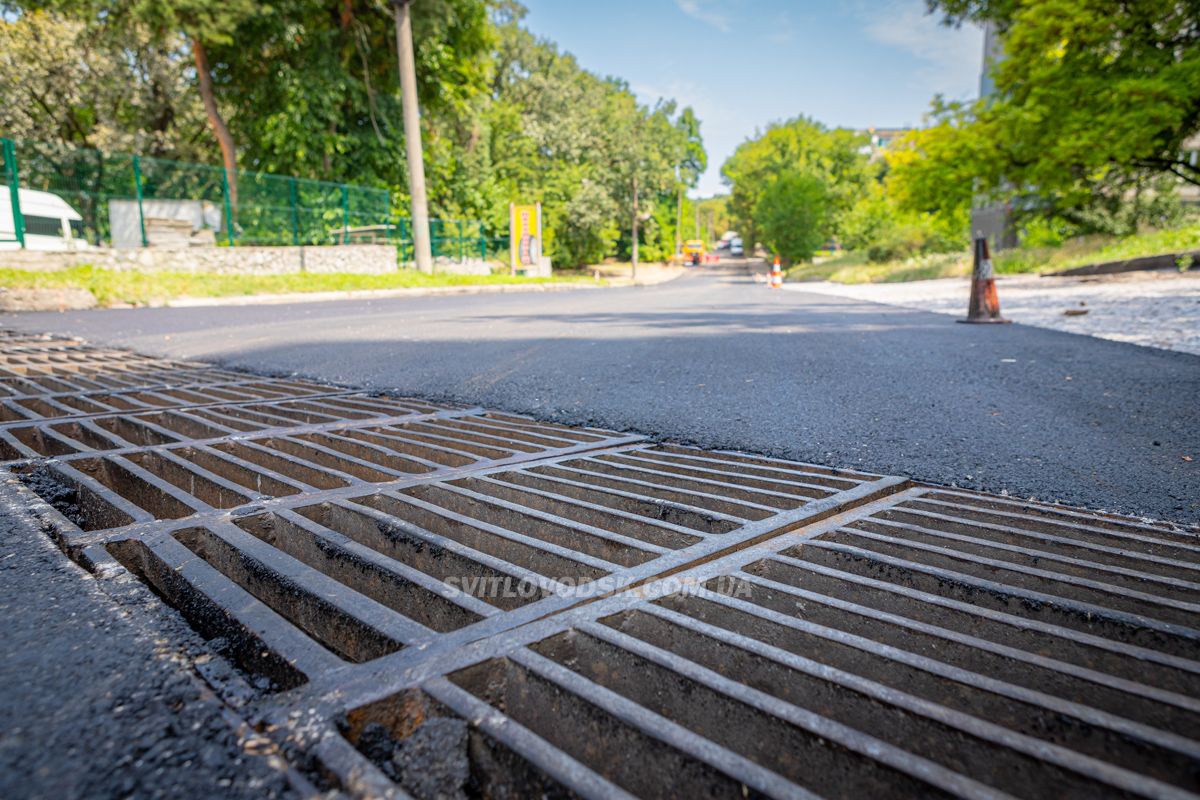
x=793 y=214
x=876 y=227
x=1043 y=232
x=868 y=221
x=583 y=232
x=915 y=235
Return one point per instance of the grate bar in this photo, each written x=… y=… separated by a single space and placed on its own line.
x=957 y=646
x=1065 y=565
x=970 y=692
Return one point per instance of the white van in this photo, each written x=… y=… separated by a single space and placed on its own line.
x=50 y=222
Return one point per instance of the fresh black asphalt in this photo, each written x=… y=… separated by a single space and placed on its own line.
x=93 y=700
x=717 y=360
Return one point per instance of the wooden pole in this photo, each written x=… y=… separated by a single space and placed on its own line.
x=422 y=251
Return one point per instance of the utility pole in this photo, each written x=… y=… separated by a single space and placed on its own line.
x=422 y=253
x=635 y=225
x=679 y=216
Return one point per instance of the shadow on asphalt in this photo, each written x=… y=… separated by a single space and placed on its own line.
x=1019 y=410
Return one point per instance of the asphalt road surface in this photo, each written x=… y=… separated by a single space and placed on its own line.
x=93 y=699
x=717 y=360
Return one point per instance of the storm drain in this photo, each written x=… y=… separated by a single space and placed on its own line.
x=931 y=643
x=446 y=601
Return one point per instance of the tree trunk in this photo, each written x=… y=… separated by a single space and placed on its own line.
x=634 y=227
x=220 y=129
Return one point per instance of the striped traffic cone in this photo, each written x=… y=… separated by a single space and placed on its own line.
x=776 y=281
x=985 y=303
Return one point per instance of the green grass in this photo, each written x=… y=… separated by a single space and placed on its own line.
x=854 y=267
x=114 y=287
x=1097 y=249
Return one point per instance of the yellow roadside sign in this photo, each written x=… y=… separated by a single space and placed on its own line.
x=525 y=234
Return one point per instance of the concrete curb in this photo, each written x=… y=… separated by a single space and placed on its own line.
x=1160 y=261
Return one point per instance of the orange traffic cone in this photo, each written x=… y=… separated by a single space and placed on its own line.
x=776 y=281
x=985 y=303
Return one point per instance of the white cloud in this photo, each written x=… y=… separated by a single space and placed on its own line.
x=704 y=11
x=952 y=57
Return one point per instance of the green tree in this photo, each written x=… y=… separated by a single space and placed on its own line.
x=793 y=213
x=714 y=216
x=1094 y=99
x=69 y=81
x=935 y=170
x=834 y=156
x=201 y=23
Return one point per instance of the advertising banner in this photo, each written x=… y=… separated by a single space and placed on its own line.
x=525 y=231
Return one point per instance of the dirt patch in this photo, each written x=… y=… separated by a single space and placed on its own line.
x=430 y=763
x=46 y=299
x=50 y=487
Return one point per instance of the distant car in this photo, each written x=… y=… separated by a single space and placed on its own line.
x=693 y=251
x=735 y=248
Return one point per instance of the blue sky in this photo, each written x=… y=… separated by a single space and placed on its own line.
x=744 y=63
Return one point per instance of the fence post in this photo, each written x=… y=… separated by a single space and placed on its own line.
x=462 y=253
x=293 y=198
x=228 y=206
x=387 y=215
x=14 y=191
x=345 y=214
x=137 y=187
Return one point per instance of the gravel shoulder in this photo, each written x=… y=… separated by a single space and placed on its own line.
x=1152 y=309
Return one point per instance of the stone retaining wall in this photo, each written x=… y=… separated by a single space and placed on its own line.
x=358 y=258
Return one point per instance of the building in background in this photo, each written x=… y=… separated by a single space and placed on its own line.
x=879 y=139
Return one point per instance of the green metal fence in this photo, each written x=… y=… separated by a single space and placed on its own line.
x=121 y=200
x=453 y=240
x=12 y=225
x=135 y=201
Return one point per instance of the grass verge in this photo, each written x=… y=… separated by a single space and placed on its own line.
x=855 y=268
x=118 y=287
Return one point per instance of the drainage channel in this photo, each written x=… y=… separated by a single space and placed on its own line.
x=447 y=601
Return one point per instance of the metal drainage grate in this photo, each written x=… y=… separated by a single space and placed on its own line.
x=1006 y=649
x=59 y=437
x=453 y=545
x=445 y=600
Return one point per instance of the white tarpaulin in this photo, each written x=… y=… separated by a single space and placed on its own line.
x=127 y=229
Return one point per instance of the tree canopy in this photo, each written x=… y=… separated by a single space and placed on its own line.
x=310 y=88
x=1094 y=101
x=1087 y=131
x=835 y=158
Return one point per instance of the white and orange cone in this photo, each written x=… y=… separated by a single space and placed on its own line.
x=776 y=281
x=985 y=303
